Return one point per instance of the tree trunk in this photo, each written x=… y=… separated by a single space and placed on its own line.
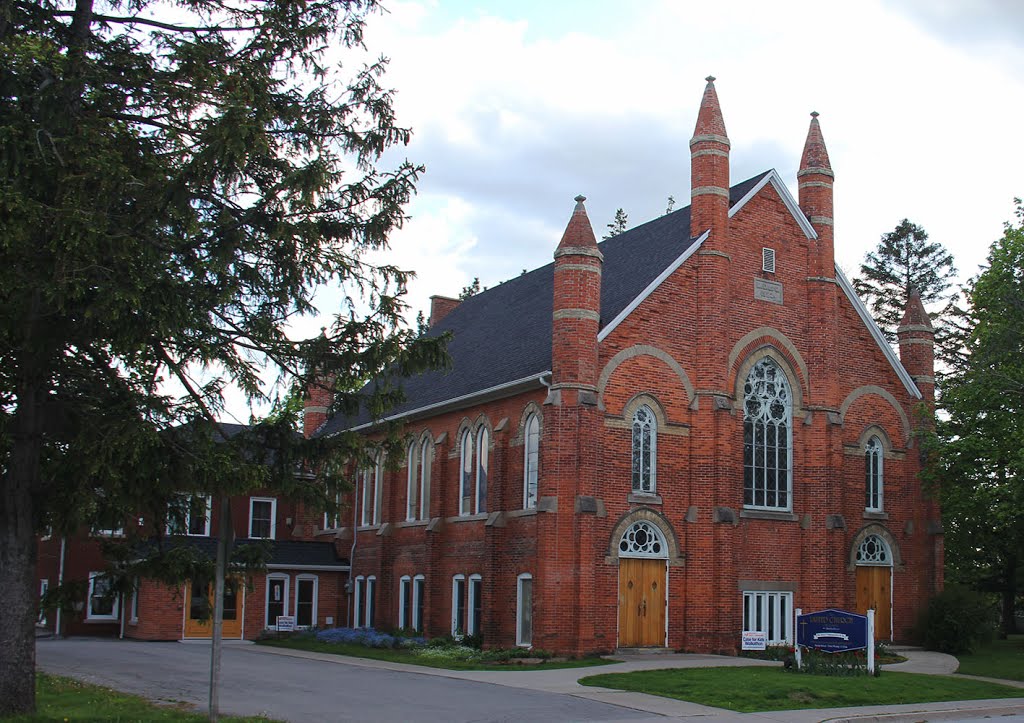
x=18 y=601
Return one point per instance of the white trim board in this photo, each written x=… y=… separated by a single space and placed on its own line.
x=775 y=179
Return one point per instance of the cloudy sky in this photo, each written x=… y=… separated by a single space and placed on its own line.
x=519 y=105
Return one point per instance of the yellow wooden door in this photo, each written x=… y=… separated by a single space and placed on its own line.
x=641 y=602
x=199 y=610
x=873 y=591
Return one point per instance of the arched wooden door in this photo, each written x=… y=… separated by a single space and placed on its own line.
x=642 y=583
x=874 y=583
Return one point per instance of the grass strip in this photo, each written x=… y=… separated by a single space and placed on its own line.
x=67 y=699
x=748 y=690
x=429 y=661
x=1000 y=659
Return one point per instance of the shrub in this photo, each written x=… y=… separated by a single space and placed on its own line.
x=957 y=620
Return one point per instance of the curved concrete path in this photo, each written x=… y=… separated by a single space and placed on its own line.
x=565 y=681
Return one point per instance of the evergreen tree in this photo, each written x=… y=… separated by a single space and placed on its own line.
x=617 y=226
x=906 y=259
x=980 y=461
x=178 y=179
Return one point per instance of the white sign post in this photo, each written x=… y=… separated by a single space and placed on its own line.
x=871 y=641
x=796 y=638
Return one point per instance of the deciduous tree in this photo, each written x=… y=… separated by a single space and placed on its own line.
x=980 y=461
x=178 y=180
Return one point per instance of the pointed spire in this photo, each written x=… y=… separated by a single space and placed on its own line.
x=915 y=314
x=578 y=233
x=815 y=156
x=709 y=118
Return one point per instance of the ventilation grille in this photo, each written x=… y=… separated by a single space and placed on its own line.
x=768 y=260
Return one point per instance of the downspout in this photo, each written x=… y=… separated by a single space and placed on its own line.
x=60 y=581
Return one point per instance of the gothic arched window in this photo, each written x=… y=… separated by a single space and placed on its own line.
x=873 y=478
x=645 y=450
x=767 y=465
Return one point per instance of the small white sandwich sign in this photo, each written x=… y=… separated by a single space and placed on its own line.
x=285 y=623
x=755 y=641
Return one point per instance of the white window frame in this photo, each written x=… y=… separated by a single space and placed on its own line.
x=358 y=590
x=370 y=609
x=306 y=577
x=267 y=622
x=109 y=532
x=404 y=602
x=641 y=486
x=874 y=475
x=411 y=499
x=774 y=616
x=472 y=624
x=465 y=472
x=378 y=487
x=89 y=615
x=425 y=448
x=332 y=521
x=44 y=585
x=520 y=609
x=365 y=492
x=531 y=461
x=419 y=590
x=273 y=517
x=762 y=465
x=133 y=608
x=483 y=438
x=458 y=581
x=208 y=502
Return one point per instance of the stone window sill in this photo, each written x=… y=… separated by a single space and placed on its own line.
x=469 y=518
x=779 y=516
x=875 y=515
x=641 y=498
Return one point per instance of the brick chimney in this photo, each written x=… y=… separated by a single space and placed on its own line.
x=440 y=307
x=576 y=312
x=815 y=179
x=316 y=403
x=917 y=345
x=709 y=169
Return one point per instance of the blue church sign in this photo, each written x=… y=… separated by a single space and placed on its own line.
x=832 y=631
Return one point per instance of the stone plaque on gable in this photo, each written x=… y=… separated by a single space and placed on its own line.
x=768 y=291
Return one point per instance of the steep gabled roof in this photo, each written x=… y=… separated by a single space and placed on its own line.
x=501 y=337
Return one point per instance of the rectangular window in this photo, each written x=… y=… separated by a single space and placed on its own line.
x=305 y=601
x=524 y=611
x=458 y=606
x=476 y=596
x=102 y=604
x=358 y=591
x=277 y=599
x=769 y=613
x=482 y=451
x=412 y=498
x=262 y=518
x=366 y=497
x=371 y=601
x=134 y=616
x=44 y=585
x=404 y=601
x=378 y=488
x=197 y=517
x=418 y=590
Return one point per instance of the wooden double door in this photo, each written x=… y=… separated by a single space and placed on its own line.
x=199 y=609
x=641 y=602
x=874 y=591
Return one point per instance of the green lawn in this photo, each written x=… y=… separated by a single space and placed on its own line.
x=434 y=658
x=763 y=689
x=65 y=699
x=1002 y=659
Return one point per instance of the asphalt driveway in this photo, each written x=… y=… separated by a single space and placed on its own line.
x=297 y=689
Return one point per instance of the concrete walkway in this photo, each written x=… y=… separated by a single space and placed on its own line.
x=565 y=681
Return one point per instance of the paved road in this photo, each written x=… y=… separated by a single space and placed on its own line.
x=297 y=689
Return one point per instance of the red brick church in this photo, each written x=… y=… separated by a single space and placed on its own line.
x=664 y=439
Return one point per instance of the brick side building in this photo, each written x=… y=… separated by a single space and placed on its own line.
x=660 y=440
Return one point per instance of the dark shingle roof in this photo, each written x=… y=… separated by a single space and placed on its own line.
x=503 y=334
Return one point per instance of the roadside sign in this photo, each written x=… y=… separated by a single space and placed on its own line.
x=285 y=623
x=832 y=630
